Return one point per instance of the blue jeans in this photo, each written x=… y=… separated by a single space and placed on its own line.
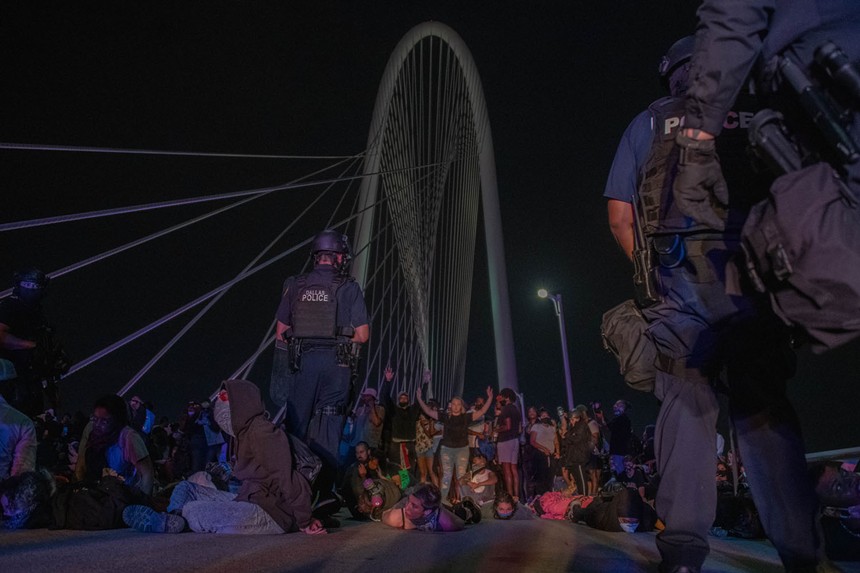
x=452 y=458
x=209 y=510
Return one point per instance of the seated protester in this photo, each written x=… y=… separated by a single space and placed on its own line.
x=160 y=444
x=25 y=499
x=736 y=514
x=18 y=439
x=110 y=447
x=620 y=510
x=633 y=477
x=838 y=493
x=479 y=483
x=724 y=476
x=366 y=466
x=421 y=510
x=273 y=496
x=506 y=508
x=377 y=496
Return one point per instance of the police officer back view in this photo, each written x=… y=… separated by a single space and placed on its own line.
x=321 y=321
x=707 y=339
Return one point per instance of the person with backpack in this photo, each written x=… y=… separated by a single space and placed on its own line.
x=113 y=469
x=801 y=243
x=273 y=496
x=707 y=329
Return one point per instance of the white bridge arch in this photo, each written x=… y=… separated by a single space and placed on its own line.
x=430 y=154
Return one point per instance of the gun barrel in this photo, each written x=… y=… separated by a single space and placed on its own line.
x=820 y=111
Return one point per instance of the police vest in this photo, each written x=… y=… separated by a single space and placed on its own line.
x=659 y=213
x=314 y=308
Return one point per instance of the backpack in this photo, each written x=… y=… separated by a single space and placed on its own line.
x=92 y=507
x=802 y=246
x=306 y=461
x=623 y=331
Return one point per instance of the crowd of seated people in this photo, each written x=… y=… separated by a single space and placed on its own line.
x=429 y=466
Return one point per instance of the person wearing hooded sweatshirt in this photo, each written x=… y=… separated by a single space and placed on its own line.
x=273 y=497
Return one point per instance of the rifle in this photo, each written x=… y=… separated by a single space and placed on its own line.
x=645 y=279
x=821 y=111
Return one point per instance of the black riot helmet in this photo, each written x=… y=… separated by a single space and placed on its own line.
x=329 y=242
x=672 y=72
x=29 y=284
x=678 y=53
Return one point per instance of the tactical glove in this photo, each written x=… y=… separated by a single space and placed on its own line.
x=700 y=189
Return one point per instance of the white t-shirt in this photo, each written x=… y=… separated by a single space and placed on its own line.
x=544 y=435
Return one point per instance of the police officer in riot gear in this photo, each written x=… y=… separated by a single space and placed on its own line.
x=321 y=322
x=635 y=144
x=708 y=339
x=27 y=341
x=769 y=39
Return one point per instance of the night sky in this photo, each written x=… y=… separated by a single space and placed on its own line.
x=561 y=79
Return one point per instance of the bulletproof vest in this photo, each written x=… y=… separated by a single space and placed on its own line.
x=659 y=213
x=314 y=307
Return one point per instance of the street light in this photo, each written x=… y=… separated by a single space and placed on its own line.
x=559 y=312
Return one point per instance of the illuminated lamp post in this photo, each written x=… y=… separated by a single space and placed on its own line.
x=559 y=312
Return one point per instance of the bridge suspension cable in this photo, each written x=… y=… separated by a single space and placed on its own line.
x=123 y=151
x=430 y=110
x=203 y=298
x=426 y=175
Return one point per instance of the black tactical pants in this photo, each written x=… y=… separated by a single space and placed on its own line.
x=316 y=397
x=704 y=335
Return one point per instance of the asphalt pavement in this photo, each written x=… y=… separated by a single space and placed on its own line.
x=490 y=546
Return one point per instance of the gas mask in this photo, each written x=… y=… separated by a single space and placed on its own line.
x=374 y=491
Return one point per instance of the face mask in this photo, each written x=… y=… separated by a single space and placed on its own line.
x=628 y=527
x=506 y=515
x=221 y=413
